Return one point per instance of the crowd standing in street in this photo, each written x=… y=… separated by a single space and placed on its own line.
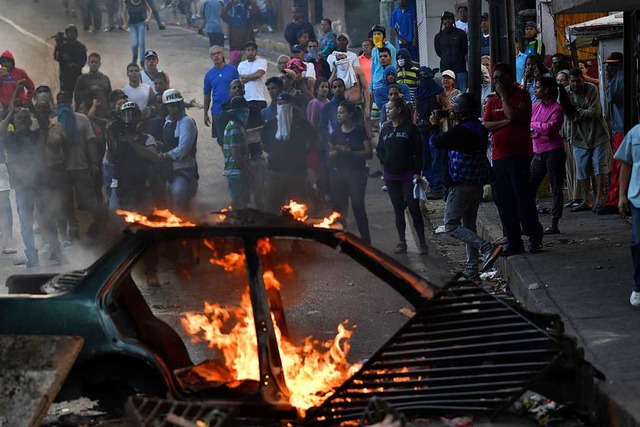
x=309 y=133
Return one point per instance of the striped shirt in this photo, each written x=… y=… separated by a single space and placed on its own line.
x=409 y=76
x=234 y=136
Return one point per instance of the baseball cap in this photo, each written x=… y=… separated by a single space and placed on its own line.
x=449 y=73
x=615 y=57
x=530 y=24
x=297 y=48
x=150 y=53
x=485 y=15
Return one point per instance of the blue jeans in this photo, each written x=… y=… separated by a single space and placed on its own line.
x=460 y=215
x=432 y=164
x=462 y=81
x=635 y=245
x=183 y=188
x=351 y=184
x=138 y=33
x=239 y=191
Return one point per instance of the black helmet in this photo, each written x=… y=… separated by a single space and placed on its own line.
x=466 y=104
x=130 y=114
x=380 y=28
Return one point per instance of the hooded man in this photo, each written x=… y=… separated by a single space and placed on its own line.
x=10 y=76
x=71 y=55
x=381 y=97
x=430 y=96
x=379 y=37
x=287 y=138
x=452 y=46
x=235 y=149
x=407 y=72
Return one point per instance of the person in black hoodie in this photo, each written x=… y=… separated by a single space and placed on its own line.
x=467 y=170
x=400 y=152
x=71 y=55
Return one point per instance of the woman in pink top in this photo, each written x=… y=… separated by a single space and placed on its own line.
x=548 y=146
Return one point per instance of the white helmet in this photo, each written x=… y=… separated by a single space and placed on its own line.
x=170 y=96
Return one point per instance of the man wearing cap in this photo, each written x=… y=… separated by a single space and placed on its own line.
x=93 y=85
x=236 y=153
x=405 y=27
x=298 y=52
x=485 y=41
x=150 y=69
x=252 y=73
x=451 y=46
x=462 y=22
x=296 y=25
x=216 y=88
x=379 y=37
x=532 y=39
x=615 y=99
x=178 y=151
x=287 y=138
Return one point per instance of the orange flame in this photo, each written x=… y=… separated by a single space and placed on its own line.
x=328 y=221
x=297 y=210
x=312 y=370
x=166 y=219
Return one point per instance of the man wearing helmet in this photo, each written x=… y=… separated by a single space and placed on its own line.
x=467 y=171
x=71 y=56
x=127 y=145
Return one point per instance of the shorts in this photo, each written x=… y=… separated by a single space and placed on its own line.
x=4 y=178
x=595 y=160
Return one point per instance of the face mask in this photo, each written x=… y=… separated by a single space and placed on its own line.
x=377 y=40
x=284 y=108
x=342 y=64
x=312 y=52
x=401 y=62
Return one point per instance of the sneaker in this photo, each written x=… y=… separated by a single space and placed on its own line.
x=401 y=248
x=635 y=299
x=509 y=250
x=45 y=249
x=535 y=247
x=162 y=27
x=489 y=257
x=65 y=244
x=384 y=188
x=270 y=28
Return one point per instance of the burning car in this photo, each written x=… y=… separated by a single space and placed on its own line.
x=232 y=325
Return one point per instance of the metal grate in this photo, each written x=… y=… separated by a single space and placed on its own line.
x=464 y=352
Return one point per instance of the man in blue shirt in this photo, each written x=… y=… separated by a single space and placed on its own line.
x=379 y=37
x=212 y=22
x=405 y=27
x=629 y=200
x=216 y=86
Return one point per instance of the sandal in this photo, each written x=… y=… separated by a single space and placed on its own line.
x=9 y=251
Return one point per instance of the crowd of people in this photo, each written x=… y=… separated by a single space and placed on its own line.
x=310 y=132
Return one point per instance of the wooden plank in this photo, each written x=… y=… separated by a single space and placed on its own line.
x=563 y=21
x=32 y=371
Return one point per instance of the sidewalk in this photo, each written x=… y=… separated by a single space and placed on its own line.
x=583 y=274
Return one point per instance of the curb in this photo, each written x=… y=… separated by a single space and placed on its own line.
x=532 y=293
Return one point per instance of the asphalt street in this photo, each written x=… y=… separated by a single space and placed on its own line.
x=332 y=290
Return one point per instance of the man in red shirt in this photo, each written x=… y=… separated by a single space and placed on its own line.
x=10 y=76
x=508 y=116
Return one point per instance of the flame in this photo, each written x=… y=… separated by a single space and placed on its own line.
x=328 y=221
x=312 y=370
x=166 y=219
x=297 y=210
